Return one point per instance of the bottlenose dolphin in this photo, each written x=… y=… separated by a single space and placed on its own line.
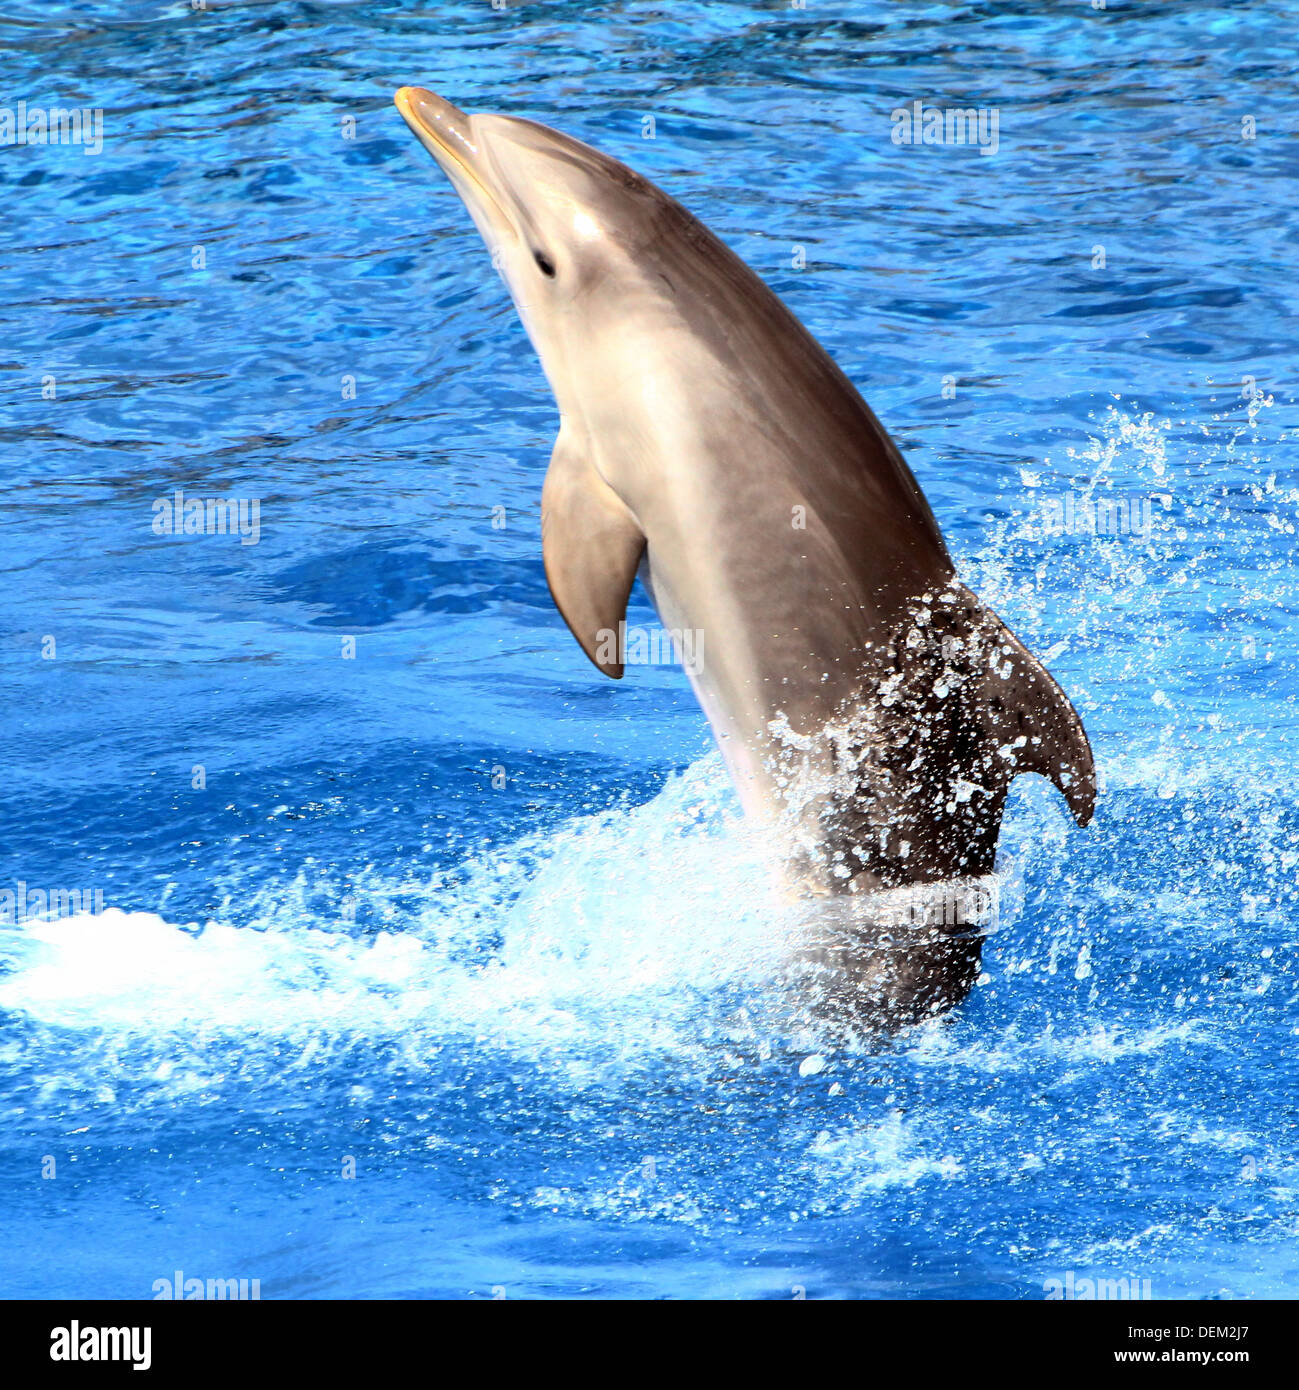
x=869 y=708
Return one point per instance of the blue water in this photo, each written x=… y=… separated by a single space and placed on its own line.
x=458 y=911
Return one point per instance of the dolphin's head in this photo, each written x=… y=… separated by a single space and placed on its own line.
x=579 y=238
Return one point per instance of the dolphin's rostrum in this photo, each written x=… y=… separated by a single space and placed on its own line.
x=868 y=706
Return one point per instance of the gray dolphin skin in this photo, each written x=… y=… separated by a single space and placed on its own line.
x=871 y=711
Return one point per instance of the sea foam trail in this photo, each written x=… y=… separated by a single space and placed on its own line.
x=544 y=939
x=628 y=925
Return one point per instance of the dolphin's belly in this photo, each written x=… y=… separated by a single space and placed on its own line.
x=826 y=717
x=782 y=601
x=725 y=682
x=778 y=664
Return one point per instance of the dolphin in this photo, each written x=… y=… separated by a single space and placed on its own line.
x=871 y=711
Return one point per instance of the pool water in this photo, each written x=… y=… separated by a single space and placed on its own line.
x=428 y=962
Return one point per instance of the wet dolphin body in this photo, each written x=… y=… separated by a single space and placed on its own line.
x=868 y=706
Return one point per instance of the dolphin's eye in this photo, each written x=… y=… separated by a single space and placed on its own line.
x=544 y=263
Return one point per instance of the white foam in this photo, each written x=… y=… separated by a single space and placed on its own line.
x=611 y=926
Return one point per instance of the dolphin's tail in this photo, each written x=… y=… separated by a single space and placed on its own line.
x=906 y=787
x=1028 y=720
x=950 y=710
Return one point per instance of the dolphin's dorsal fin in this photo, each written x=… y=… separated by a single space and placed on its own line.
x=1028 y=719
x=592 y=545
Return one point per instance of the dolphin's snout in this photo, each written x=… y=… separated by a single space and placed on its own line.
x=442 y=128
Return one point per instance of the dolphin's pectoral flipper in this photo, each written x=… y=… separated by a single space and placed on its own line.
x=592 y=546
x=1028 y=719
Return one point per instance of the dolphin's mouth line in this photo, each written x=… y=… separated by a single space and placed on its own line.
x=427 y=132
